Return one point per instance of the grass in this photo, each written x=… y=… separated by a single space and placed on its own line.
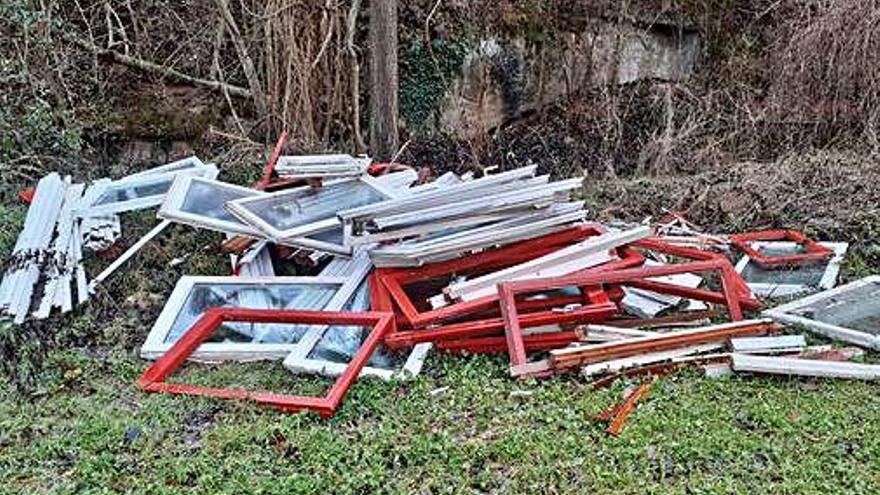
x=461 y=427
x=97 y=433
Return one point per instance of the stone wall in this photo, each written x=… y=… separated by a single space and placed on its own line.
x=503 y=78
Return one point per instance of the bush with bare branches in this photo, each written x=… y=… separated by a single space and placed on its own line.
x=826 y=64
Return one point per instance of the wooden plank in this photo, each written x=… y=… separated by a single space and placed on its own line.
x=615 y=365
x=564 y=358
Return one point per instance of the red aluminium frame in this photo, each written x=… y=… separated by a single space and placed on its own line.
x=269 y=169
x=660 y=246
x=813 y=251
x=153 y=379
x=498 y=344
x=395 y=279
x=597 y=308
x=508 y=292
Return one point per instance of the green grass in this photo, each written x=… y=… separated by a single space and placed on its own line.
x=84 y=427
x=95 y=432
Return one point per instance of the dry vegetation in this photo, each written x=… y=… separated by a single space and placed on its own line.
x=774 y=76
x=827 y=61
x=830 y=194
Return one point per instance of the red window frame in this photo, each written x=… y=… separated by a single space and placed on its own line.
x=153 y=379
x=597 y=308
x=395 y=279
x=660 y=246
x=508 y=292
x=498 y=344
x=813 y=251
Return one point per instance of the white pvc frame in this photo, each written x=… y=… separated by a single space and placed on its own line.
x=356 y=269
x=187 y=163
x=240 y=208
x=158 y=175
x=172 y=210
x=410 y=369
x=787 y=314
x=155 y=344
x=770 y=290
x=315 y=166
x=299 y=362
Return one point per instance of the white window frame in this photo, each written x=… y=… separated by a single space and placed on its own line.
x=187 y=163
x=299 y=362
x=321 y=166
x=787 y=314
x=770 y=290
x=146 y=178
x=296 y=363
x=156 y=345
x=240 y=208
x=171 y=209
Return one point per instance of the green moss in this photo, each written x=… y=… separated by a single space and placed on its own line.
x=160 y=117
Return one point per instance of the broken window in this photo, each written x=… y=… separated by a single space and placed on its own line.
x=850 y=312
x=792 y=279
x=200 y=203
x=307 y=210
x=333 y=351
x=143 y=190
x=193 y=296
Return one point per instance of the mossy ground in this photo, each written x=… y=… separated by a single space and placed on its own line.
x=99 y=434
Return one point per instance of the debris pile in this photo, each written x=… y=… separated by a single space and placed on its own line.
x=506 y=263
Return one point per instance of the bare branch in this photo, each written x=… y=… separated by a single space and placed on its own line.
x=247 y=64
x=154 y=68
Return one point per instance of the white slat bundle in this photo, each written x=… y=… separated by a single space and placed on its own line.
x=18 y=283
x=56 y=289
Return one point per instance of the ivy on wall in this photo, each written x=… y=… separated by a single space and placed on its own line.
x=425 y=77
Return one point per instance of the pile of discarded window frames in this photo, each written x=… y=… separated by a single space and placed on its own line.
x=501 y=264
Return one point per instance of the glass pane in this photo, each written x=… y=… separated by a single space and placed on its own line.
x=809 y=275
x=207 y=200
x=341 y=342
x=310 y=205
x=119 y=194
x=292 y=296
x=333 y=236
x=858 y=309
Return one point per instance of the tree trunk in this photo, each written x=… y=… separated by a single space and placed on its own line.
x=383 y=78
